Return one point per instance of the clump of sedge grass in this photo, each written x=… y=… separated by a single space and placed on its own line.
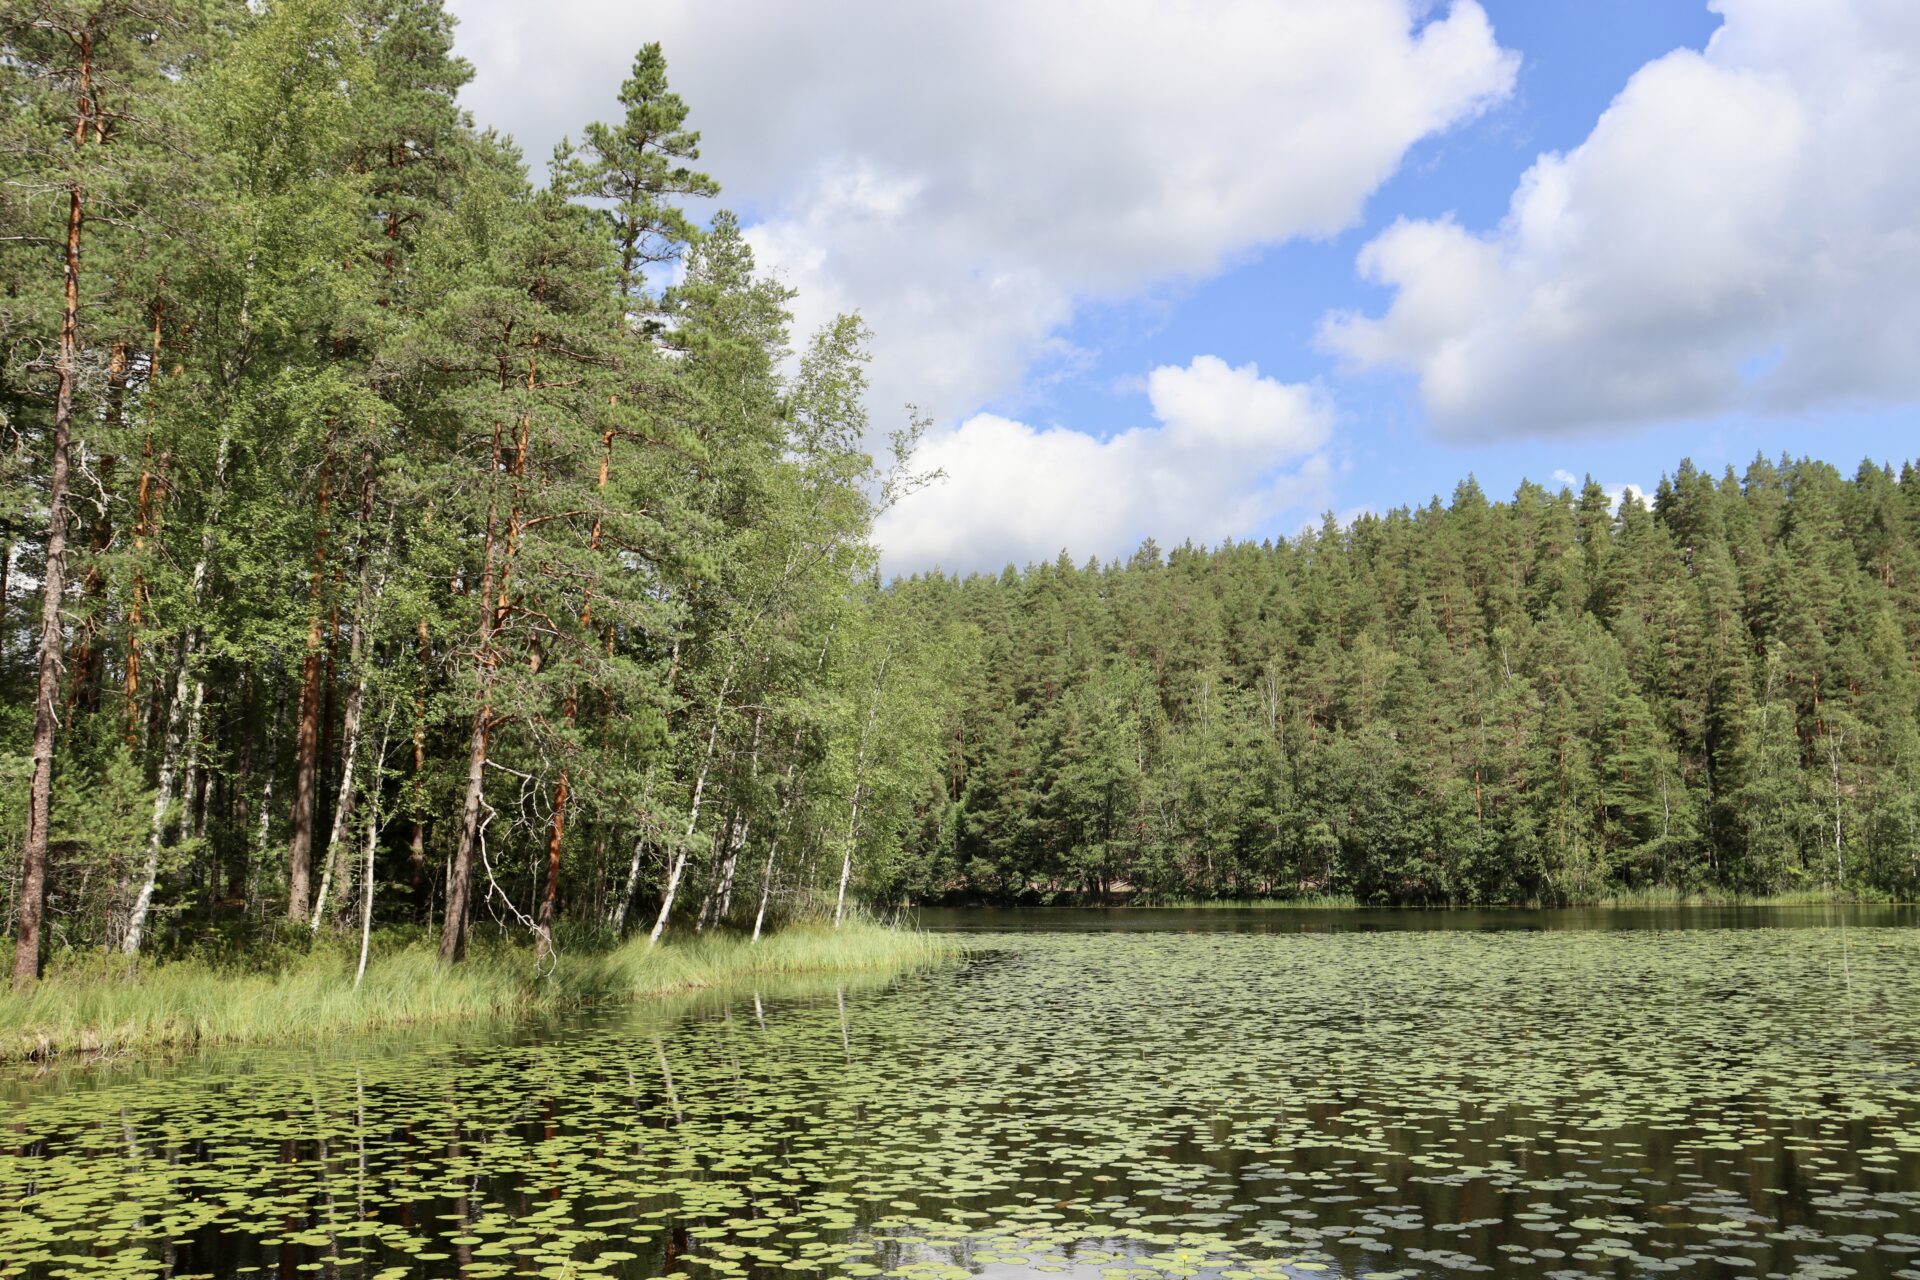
x=102 y=1006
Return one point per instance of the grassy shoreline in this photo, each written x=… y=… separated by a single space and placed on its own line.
x=116 y=1009
x=1661 y=897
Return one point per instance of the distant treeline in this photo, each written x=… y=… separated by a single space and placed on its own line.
x=1542 y=699
x=386 y=538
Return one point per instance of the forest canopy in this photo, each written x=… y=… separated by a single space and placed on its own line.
x=375 y=515
x=1550 y=699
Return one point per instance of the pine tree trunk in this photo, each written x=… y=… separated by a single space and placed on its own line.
x=306 y=741
x=550 y=891
x=494 y=604
x=33 y=862
x=453 y=924
x=562 y=790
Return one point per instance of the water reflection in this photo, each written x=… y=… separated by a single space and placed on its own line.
x=1400 y=919
x=1118 y=1105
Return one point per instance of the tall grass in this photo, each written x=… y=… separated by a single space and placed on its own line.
x=103 y=1008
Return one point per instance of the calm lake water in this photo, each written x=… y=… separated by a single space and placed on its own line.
x=1106 y=1097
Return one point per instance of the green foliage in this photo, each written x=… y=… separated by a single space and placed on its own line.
x=1539 y=700
x=418 y=529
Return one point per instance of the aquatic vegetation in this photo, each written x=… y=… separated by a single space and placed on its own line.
x=124 y=1008
x=1240 y=1106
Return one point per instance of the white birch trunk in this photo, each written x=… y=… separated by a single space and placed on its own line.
x=859 y=784
x=679 y=867
x=163 y=795
x=343 y=803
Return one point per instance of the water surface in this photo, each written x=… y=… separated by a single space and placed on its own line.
x=1213 y=1100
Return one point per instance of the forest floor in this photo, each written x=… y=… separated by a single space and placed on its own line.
x=97 y=1008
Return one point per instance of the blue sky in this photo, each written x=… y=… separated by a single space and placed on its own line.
x=1575 y=56
x=1204 y=272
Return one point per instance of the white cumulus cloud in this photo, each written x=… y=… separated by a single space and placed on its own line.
x=1232 y=451
x=965 y=172
x=1738 y=232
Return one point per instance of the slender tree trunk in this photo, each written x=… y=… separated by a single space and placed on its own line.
x=329 y=685
x=306 y=741
x=373 y=840
x=417 y=846
x=550 y=891
x=846 y=859
x=334 y=861
x=679 y=865
x=859 y=785
x=339 y=852
x=33 y=862
x=1834 y=743
x=145 y=525
x=619 y=919
x=494 y=603
x=163 y=795
x=193 y=785
x=728 y=847
x=734 y=845
x=738 y=840
x=366 y=892
x=84 y=666
x=562 y=789
x=773 y=845
x=453 y=924
x=88 y=662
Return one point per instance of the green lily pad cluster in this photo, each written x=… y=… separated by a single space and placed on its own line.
x=1138 y=1106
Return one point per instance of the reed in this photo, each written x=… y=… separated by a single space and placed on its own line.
x=98 y=1006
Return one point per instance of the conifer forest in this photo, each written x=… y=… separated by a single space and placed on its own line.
x=404 y=532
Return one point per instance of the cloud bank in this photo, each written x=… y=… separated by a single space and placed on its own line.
x=1737 y=233
x=965 y=171
x=1232 y=451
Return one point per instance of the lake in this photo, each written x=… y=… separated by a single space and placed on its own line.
x=1099 y=1095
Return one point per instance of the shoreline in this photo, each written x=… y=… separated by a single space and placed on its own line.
x=176 y=1007
x=1653 y=899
